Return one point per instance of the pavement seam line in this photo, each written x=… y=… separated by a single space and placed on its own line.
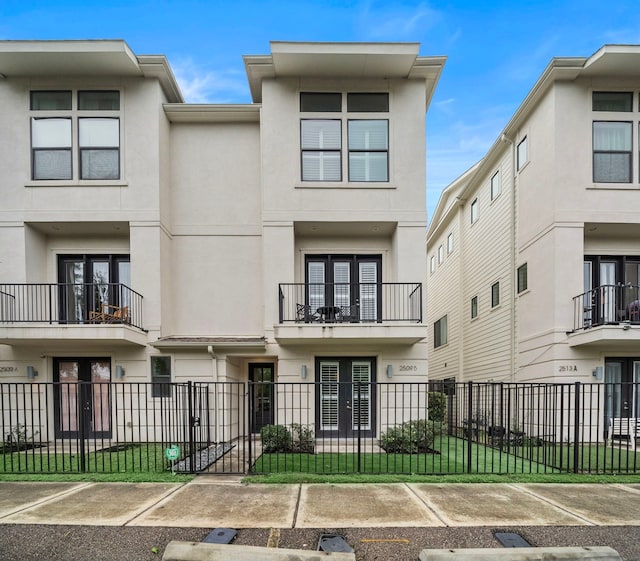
x=426 y=504
x=294 y=522
x=161 y=500
x=625 y=487
x=552 y=503
x=50 y=498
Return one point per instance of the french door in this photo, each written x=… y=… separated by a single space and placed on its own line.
x=351 y=284
x=622 y=388
x=87 y=282
x=345 y=396
x=82 y=399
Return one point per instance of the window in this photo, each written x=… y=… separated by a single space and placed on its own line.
x=474 y=307
x=368 y=150
x=612 y=101
x=474 y=211
x=160 y=376
x=440 y=254
x=612 y=152
x=522 y=155
x=432 y=266
x=495 y=185
x=449 y=243
x=367 y=139
x=91 y=124
x=440 y=332
x=522 y=278
x=495 y=294
x=321 y=150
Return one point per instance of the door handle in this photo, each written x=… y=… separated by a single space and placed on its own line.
x=348 y=406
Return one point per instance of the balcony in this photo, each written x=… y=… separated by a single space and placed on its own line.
x=351 y=312
x=68 y=313
x=608 y=314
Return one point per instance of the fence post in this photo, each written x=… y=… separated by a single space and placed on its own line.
x=358 y=421
x=249 y=392
x=192 y=428
x=82 y=412
x=576 y=429
x=469 y=425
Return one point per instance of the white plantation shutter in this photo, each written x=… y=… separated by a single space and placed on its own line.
x=368 y=278
x=316 y=284
x=321 y=143
x=329 y=395
x=341 y=286
x=361 y=399
x=368 y=150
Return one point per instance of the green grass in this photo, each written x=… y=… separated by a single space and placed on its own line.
x=452 y=459
x=141 y=462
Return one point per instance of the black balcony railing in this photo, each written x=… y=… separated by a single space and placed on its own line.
x=607 y=304
x=350 y=302
x=84 y=303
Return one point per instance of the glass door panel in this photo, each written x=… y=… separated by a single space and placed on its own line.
x=368 y=279
x=73 y=305
x=608 y=291
x=262 y=406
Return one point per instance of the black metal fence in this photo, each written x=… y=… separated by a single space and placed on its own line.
x=325 y=427
x=607 y=304
x=350 y=302
x=66 y=303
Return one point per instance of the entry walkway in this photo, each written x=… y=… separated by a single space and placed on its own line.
x=211 y=503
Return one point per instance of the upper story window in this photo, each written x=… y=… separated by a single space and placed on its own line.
x=522 y=154
x=495 y=185
x=440 y=254
x=474 y=211
x=88 y=121
x=450 y=243
x=495 y=294
x=522 y=278
x=322 y=139
x=474 y=307
x=440 y=332
x=613 y=136
x=432 y=264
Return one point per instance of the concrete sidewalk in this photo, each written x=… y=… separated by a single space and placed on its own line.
x=211 y=503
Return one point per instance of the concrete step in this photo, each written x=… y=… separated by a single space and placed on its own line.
x=197 y=551
x=522 y=554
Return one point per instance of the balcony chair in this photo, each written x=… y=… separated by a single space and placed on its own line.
x=110 y=314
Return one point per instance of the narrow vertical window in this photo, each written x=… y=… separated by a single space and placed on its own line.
x=440 y=254
x=495 y=294
x=522 y=278
x=495 y=185
x=474 y=211
x=440 y=332
x=522 y=154
x=432 y=264
x=449 y=243
x=474 y=307
x=160 y=376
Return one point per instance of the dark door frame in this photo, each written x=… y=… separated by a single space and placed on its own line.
x=84 y=394
x=347 y=394
x=262 y=396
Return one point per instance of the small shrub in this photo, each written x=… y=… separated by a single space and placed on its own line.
x=275 y=438
x=303 y=439
x=411 y=437
x=437 y=406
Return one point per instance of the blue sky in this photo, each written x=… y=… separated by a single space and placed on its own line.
x=496 y=49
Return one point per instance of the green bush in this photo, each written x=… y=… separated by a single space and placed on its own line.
x=412 y=437
x=295 y=438
x=275 y=438
x=303 y=439
x=437 y=406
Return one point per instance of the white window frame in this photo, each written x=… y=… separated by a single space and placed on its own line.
x=450 y=244
x=522 y=153
x=474 y=211
x=496 y=187
x=432 y=264
x=440 y=254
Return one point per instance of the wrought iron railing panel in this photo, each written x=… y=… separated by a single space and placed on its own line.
x=606 y=305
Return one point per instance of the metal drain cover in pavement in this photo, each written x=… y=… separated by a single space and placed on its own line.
x=511 y=539
x=334 y=543
x=220 y=535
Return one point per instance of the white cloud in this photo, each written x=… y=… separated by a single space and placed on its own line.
x=205 y=86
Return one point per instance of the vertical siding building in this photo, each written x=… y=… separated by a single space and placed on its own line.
x=534 y=253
